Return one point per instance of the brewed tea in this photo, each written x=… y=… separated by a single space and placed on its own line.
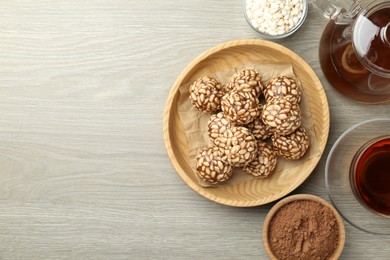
x=370 y=176
x=344 y=69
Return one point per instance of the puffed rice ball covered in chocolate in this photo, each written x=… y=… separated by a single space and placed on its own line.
x=240 y=108
x=292 y=146
x=258 y=128
x=264 y=163
x=281 y=116
x=239 y=145
x=247 y=80
x=211 y=165
x=206 y=93
x=283 y=87
x=216 y=126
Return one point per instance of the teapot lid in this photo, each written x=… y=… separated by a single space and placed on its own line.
x=371 y=38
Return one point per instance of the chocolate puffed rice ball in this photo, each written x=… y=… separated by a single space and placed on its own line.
x=216 y=126
x=264 y=163
x=206 y=93
x=281 y=116
x=240 y=108
x=247 y=80
x=239 y=145
x=211 y=165
x=258 y=128
x=283 y=87
x=292 y=146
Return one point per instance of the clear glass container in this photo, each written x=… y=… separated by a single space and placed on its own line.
x=278 y=36
x=355 y=47
x=338 y=179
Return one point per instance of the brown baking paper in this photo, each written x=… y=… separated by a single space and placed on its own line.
x=195 y=122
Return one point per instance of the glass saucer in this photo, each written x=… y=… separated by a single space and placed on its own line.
x=337 y=179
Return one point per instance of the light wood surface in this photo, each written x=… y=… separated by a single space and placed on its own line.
x=231 y=56
x=84 y=171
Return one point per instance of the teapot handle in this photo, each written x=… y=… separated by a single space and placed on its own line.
x=341 y=12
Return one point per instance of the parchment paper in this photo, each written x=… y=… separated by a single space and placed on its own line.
x=195 y=122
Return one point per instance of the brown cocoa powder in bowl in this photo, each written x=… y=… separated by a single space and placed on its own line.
x=303 y=229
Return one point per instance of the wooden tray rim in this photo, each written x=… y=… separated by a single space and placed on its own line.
x=167 y=116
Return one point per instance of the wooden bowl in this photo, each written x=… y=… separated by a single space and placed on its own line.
x=341 y=239
x=224 y=57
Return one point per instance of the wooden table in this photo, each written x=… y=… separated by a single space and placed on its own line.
x=84 y=171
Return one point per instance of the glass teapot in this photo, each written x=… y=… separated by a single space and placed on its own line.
x=355 y=48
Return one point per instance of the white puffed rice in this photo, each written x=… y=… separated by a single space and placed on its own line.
x=274 y=17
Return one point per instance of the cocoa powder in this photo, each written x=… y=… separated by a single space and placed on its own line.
x=303 y=229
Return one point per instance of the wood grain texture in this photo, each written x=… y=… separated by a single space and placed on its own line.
x=84 y=172
x=225 y=57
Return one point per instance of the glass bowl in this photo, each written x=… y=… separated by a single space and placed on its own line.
x=287 y=33
x=337 y=176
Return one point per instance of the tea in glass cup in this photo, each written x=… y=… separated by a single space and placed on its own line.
x=370 y=175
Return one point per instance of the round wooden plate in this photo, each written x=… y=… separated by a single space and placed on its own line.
x=224 y=57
